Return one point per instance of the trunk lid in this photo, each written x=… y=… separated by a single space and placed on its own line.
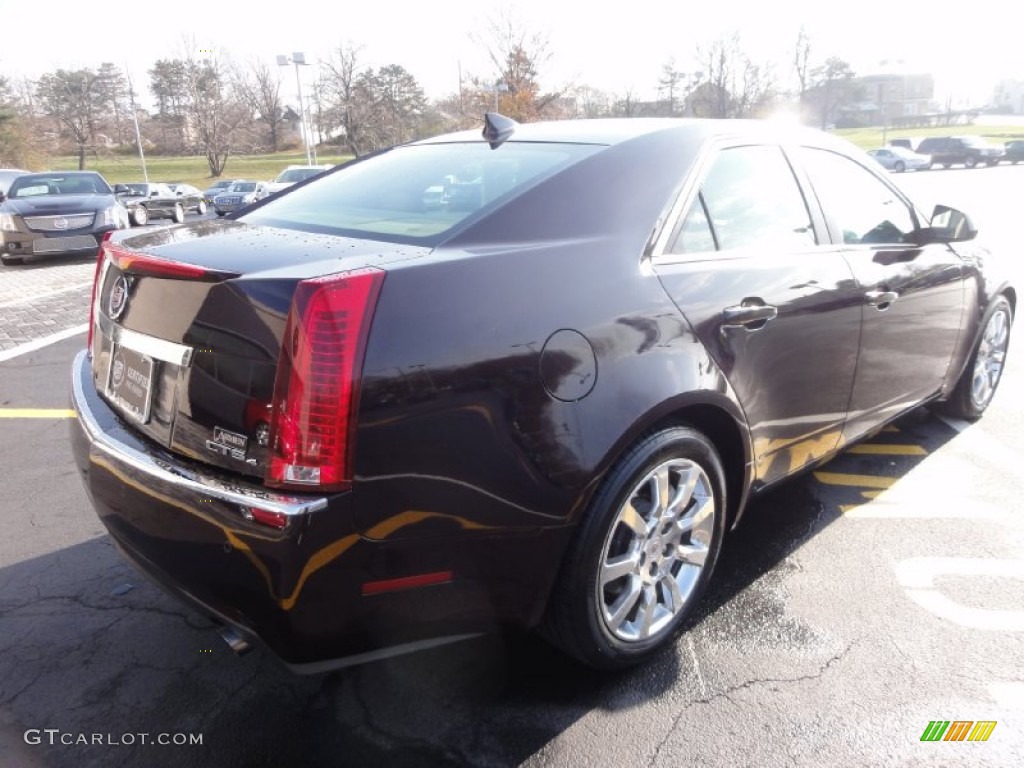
x=186 y=345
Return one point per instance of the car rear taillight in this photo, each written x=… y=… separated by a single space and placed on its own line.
x=317 y=385
x=150 y=266
x=101 y=255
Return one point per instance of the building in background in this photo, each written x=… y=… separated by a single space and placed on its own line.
x=1008 y=97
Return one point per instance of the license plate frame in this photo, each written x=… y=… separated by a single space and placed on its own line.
x=130 y=382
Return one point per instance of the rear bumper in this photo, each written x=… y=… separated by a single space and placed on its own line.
x=300 y=590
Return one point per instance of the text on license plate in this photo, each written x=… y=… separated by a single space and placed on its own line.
x=130 y=380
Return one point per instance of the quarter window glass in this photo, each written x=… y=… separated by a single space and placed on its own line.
x=754 y=201
x=695 y=234
x=864 y=209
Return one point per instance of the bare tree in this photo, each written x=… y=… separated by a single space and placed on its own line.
x=214 y=110
x=733 y=85
x=802 y=63
x=345 y=87
x=517 y=53
x=670 y=87
x=259 y=88
x=75 y=99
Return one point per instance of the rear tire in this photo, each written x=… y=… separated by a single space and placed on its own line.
x=643 y=552
x=178 y=215
x=201 y=208
x=900 y=167
x=980 y=378
x=140 y=216
x=970 y=162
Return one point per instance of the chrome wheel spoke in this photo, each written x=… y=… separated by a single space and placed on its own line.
x=645 y=616
x=633 y=519
x=692 y=554
x=617 y=567
x=664 y=497
x=672 y=588
x=705 y=509
x=616 y=614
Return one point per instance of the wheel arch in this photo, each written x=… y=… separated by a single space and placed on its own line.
x=716 y=417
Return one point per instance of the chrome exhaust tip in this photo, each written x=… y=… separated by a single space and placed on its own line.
x=235 y=640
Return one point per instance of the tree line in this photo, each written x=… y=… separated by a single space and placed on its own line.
x=216 y=107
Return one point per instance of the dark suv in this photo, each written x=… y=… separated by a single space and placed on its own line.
x=966 y=150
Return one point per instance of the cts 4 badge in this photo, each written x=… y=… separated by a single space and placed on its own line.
x=229 y=444
x=117 y=302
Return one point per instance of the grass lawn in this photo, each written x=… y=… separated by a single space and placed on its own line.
x=870 y=138
x=190 y=170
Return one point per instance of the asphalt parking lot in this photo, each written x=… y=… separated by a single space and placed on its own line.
x=856 y=605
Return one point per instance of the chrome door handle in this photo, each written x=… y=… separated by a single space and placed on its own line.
x=752 y=317
x=881 y=300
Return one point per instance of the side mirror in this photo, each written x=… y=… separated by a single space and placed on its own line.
x=948 y=225
x=121 y=189
x=154 y=193
x=2 y=196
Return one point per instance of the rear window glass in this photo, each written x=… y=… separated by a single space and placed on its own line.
x=417 y=194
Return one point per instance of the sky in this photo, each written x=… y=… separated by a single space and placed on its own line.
x=614 y=47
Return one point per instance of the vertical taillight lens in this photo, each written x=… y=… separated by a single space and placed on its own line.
x=100 y=256
x=317 y=385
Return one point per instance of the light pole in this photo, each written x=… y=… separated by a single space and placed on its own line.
x=138 y=133
x=299 y=59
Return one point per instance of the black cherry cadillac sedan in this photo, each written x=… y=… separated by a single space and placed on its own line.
x=522 y=380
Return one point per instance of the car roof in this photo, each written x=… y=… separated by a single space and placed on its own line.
x=610 y=131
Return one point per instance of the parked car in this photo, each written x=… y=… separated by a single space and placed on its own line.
x=238 y=196
x=1013 y=151
x=7 y=175
x=146 y=201
x=955 y=150
x=57 y=213
x=216 y=188
x=907 y=142
x=900 y=159
x=190 y=198
x=353 y=425
x=293 y=174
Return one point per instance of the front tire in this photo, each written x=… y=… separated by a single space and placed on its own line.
x=643 y=553
x=900 y=167
x=970 y=162
x=979 y=380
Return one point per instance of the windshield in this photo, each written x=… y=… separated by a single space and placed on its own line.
x=417 y=193
x=297 y=174
x=136 y=189
x=249 y=186
x=39 y=184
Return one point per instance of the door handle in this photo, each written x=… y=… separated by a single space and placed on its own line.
x=881 y=300
x=750 y=316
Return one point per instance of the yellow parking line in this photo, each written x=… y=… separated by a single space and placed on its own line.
x=862 y=481
x=890 y=428
x=870 y=494
x=879 y=449
x=36 y=413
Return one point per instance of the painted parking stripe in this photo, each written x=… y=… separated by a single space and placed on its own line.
x=36 y=413
x=917 y=576
x=881 y=449
x=32 y=346
x=855 y=481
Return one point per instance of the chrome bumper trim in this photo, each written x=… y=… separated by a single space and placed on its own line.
x=184 y=478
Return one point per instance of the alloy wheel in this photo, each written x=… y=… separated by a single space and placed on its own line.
x=656 y=550
x=988 y=363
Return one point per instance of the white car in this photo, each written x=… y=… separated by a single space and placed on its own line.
x=294 y=174
x=900 y=159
